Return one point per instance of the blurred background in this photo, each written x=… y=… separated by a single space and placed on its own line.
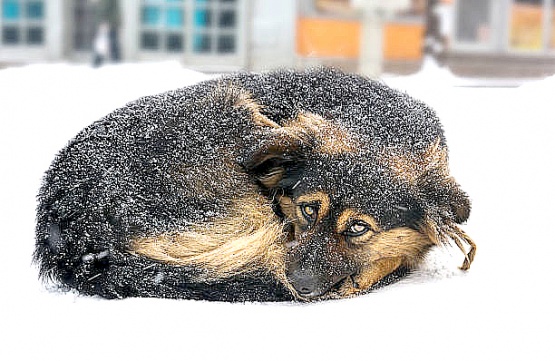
x=472 y=38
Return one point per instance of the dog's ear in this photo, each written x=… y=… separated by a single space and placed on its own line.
x=446 y=205
x=444 y=197
x=282 y=148
x=277 y=160
x=460 y=203
x=428 y=172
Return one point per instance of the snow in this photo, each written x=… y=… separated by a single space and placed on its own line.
x=501 y=152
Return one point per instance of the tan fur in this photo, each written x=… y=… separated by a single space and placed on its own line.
x=410 y=167
x=245 y=100
x=241 y=98
x=308 y=128
x=292 y=211
x=403 y=242
x=331 y=138
x=251 y=238
x=349 y=215
x=320 y=198
x=291 y=207
x=369 y=276
x=384 y=253
x=272 y=178
x=288 y=207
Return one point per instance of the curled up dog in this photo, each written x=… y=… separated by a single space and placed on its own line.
x=253 y=187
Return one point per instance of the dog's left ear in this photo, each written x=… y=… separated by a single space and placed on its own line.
x=444 y=193
x=444 y=196
x=278 y=159
x=446 y=204
x=277 y=149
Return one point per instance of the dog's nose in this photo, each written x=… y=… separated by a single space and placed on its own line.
x=305 y=283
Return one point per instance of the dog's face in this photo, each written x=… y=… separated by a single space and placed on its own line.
x=342 y=214
x=351 y=220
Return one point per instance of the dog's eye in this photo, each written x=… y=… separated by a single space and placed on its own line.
x=357 y=228
x=309 y=211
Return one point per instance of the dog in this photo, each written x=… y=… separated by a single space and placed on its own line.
x=277 y=186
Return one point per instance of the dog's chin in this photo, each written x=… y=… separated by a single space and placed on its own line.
x=343 y=289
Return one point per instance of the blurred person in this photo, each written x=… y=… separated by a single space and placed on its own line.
x=106 y=42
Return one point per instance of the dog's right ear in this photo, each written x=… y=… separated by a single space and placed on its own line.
x=278 y=159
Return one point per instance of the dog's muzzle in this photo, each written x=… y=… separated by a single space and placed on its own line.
x=309 y=285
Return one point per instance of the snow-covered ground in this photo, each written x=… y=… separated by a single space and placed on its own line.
x=502 y=152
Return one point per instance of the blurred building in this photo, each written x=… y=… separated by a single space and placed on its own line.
x=477 y=37
x=502 y=37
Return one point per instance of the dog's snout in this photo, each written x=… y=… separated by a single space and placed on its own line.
x=306 y=283
x=315 y=266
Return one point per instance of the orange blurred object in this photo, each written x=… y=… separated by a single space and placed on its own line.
x=403 y=41
x=338 y=38
x=322 y=37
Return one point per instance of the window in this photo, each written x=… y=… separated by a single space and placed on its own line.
x=508 y=25
x=194 y=26
x=214 y=26
x=532 y=25
x=474 y=23
x=526 y=25
x=163 y=25
x=22 y=22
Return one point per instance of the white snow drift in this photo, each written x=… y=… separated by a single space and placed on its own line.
x=502 y=153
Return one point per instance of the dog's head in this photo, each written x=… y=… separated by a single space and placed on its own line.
x=353 y=213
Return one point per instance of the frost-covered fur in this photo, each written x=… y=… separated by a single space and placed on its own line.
x=122 y=205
